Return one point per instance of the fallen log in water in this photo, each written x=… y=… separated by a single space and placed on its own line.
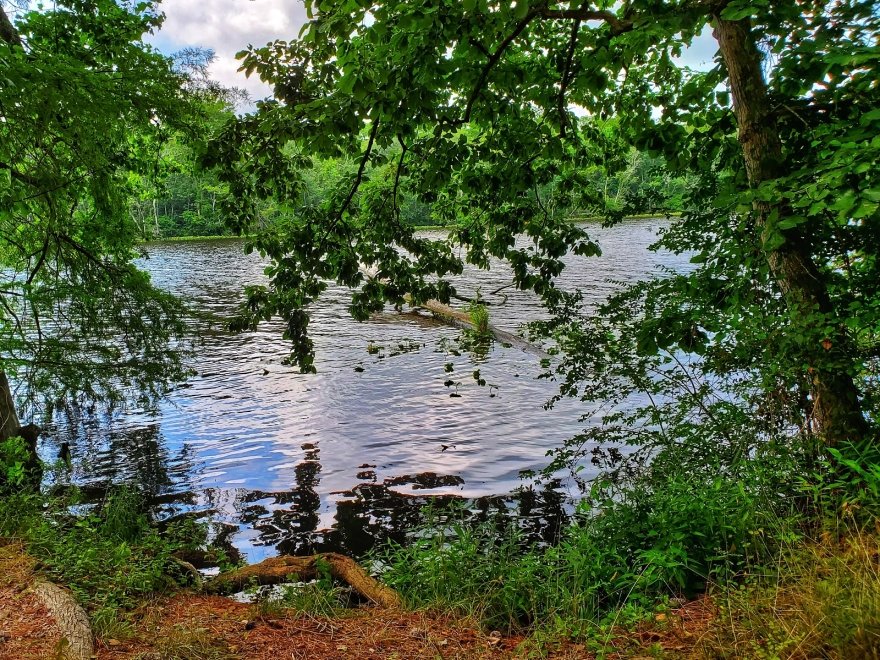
x=277 y=570
x=463 y=320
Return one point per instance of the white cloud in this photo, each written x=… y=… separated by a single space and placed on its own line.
x=228 y=26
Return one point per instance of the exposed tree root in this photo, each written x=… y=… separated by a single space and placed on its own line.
x=71 y=619
x=286 y=568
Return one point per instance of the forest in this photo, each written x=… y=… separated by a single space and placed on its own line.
x=179 y=198
x=715 y=489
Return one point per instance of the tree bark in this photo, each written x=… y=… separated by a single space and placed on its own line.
x=836 y=410
x=71 y=619
x=9 y=424
x=8 y=33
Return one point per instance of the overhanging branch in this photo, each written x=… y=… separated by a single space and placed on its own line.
x=493 y=60
x=618 y=26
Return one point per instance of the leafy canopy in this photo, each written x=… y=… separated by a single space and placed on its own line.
x=82 y=102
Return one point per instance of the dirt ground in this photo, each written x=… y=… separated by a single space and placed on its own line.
x=188 y=626
x=27 y=630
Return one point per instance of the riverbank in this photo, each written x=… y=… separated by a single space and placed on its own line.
x=590 y=218
x=806 y=592
x=191 y=626
x=825 y=605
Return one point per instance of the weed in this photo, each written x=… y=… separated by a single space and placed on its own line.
x=479 y=315
x=821 y=600
x=319 y=598
x=189 y=643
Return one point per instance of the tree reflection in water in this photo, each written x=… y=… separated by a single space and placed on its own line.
x=258 y=523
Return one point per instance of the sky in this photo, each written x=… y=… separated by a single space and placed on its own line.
x=228 y=26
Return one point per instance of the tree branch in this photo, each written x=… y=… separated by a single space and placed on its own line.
x=360 y=173
x=493 y=60
x=396 y=207
x=618 y=26
x=566 y=77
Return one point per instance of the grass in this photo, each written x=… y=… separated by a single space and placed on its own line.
x=319 y=599
x=479 y=316
x=110 y=558
x=792 y=576
x=822 y=600
x=189 y=643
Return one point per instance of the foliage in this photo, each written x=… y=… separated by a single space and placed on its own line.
x=110 y=557
x=478 y=101
x=83 y=102
x=668 y=533
x=14 y=461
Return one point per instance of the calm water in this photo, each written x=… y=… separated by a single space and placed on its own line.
x=286 y=462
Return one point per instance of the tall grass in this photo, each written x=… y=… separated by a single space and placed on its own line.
x=821 y=600
x=791 y=583
x=620 y=551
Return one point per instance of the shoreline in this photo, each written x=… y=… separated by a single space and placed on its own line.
x=229 y=237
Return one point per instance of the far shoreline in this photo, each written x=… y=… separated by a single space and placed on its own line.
x=229 y=237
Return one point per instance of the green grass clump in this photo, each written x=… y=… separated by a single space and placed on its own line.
x=479 y=315
x=320 y=598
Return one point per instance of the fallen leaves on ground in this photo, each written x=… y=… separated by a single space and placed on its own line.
x=27 y=630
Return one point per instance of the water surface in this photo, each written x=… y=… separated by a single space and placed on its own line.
x=291 y=462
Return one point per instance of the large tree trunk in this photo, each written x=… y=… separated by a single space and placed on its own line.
x=9 y=424
x=836 y=411
x=8 y=33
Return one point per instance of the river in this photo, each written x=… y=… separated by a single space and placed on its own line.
x=289 y=462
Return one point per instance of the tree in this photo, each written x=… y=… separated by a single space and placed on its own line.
x=480 y=98
x=80 y=94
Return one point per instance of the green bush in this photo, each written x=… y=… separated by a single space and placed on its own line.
x=665 y=533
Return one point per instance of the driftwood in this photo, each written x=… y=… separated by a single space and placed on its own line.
x=71 y=619
x=460 y=319
x=277 y=570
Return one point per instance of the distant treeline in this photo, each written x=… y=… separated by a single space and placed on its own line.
x=183 y=199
